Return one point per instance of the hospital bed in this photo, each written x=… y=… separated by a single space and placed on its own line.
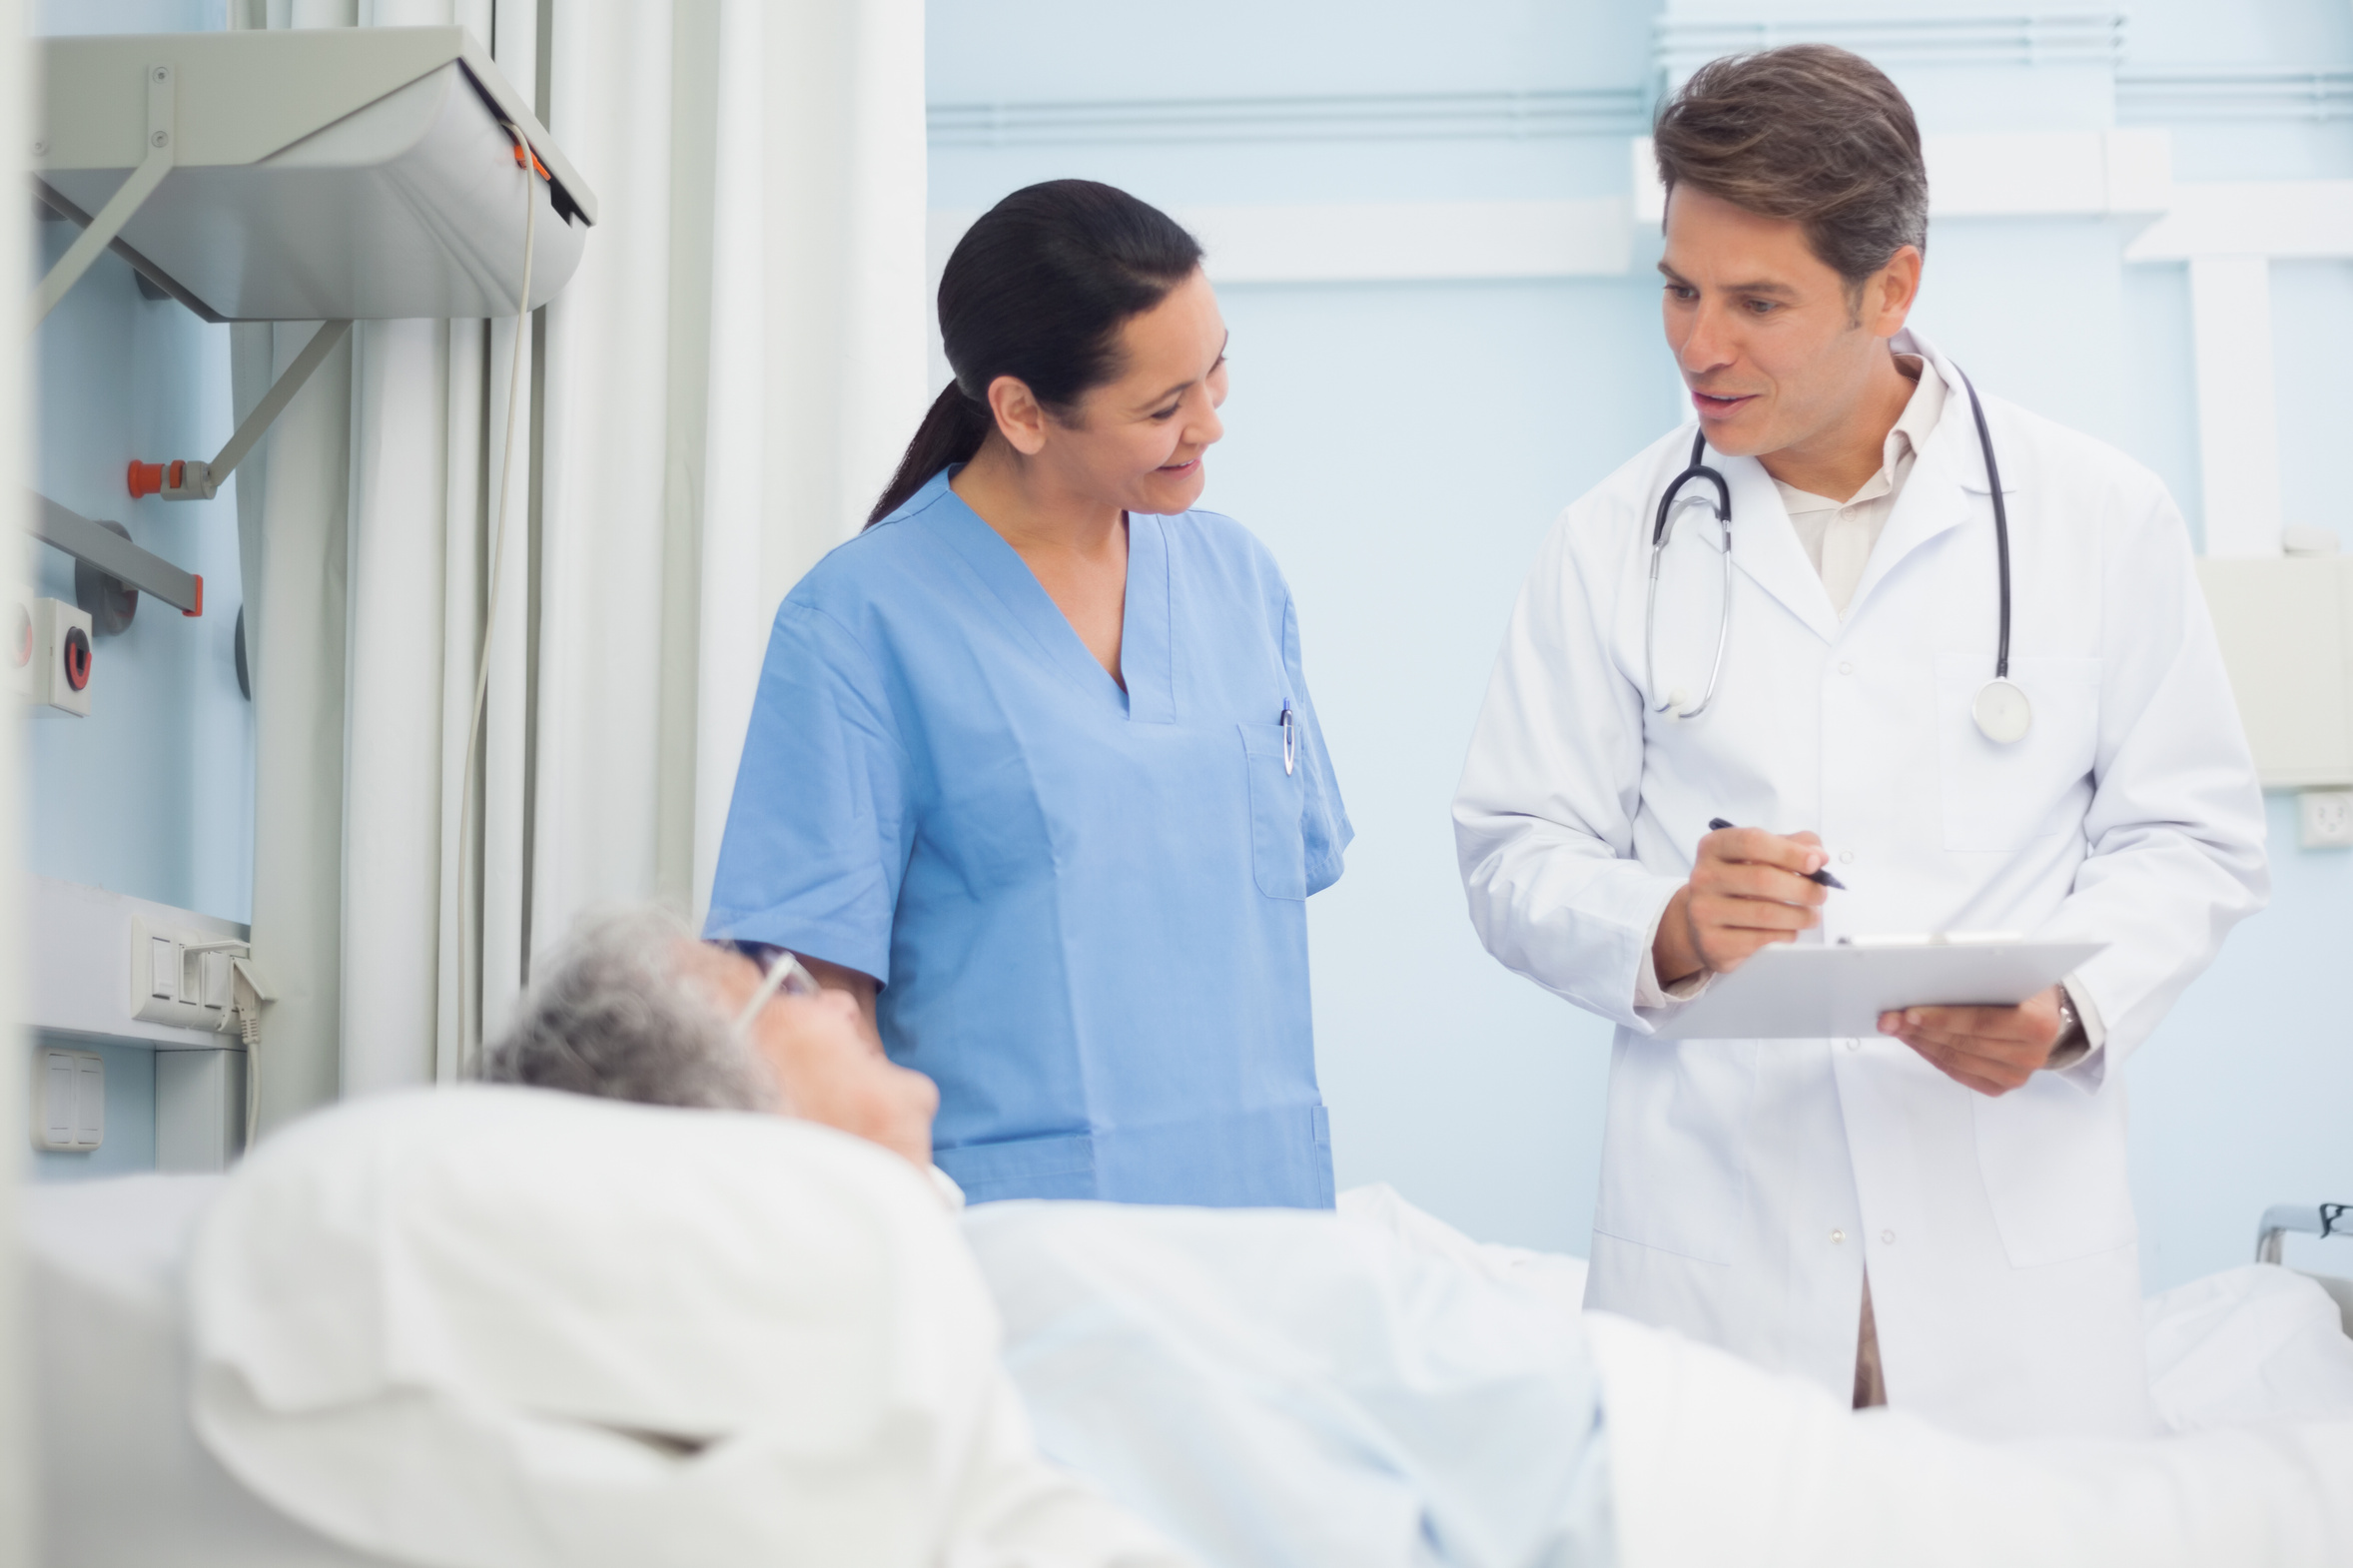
x=2320 y=1220
x=126 y=1480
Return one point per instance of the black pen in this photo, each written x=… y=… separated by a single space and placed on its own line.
x=1823 y=878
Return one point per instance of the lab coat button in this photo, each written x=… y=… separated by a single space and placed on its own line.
x=1887 y=1236
x=1853 y=1044
x=1836 y=1237
x=1846 y=857
x=1846 y=668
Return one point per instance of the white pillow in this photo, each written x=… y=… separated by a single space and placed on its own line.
x=484 y=1325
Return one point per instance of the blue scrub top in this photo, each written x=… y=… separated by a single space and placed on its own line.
x=1087 y=906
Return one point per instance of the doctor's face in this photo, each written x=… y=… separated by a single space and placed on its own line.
x=1777 y=351
x=1136 y=442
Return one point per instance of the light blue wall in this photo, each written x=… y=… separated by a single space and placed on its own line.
x=1404 y=448
x=152 y=794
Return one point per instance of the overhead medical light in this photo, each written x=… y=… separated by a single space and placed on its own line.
x=314 y=174
x=323 y=173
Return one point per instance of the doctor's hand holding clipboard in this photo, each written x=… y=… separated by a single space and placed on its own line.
x=1937 y=645
x=1750 y=889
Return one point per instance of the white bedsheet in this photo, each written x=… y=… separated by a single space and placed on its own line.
x=1713 y=1462
x=2259 y=1343
x=1217 y=1370
x=1718 y=1463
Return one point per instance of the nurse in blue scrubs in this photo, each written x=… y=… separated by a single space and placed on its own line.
x=1034 y=771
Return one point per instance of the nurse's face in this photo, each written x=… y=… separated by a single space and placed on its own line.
x=1136 y=442
x=825 y=1069
x=1778 y=351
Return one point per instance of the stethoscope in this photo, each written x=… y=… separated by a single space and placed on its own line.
x=2001 y=709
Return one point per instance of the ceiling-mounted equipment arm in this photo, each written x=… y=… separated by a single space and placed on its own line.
x=163 y=150
x=187 y=480
x=117 y=557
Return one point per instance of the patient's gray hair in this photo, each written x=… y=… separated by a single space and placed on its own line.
x=611 y=1012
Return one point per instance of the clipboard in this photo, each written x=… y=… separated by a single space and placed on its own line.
x=1832 y=991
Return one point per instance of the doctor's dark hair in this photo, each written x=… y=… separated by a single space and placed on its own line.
x=1811 y=132
x=1038 y=289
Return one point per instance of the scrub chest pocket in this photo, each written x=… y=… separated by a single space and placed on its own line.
x=1279 y=841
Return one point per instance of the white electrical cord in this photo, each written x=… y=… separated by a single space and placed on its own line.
x=469 y=1018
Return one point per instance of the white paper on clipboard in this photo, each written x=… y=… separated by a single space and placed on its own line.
x=1787 y=992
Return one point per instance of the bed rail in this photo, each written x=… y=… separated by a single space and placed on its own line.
x=2322 y=1220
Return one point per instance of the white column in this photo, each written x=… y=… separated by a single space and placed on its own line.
x=16 y=284
x=2238 y=414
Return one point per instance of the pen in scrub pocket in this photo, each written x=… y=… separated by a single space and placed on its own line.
x=1718 y=825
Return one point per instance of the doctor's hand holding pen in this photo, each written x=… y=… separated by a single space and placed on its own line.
x=1747 y=889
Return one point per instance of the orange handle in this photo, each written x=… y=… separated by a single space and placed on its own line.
x=146 y=478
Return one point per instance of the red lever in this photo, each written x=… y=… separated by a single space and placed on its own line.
x=200 y=597
x=146 y=478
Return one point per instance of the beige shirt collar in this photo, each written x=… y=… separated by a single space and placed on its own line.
x=1921 y=413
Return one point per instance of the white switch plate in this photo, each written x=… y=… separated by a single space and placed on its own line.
x=2324 y=819
x=69 y=1099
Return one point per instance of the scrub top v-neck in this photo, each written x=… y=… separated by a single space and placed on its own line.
x=1087 y=906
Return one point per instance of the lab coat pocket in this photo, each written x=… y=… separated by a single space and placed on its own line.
x=1673 y=1165
x=1279 y=841
x=2000 y=797
x=2054 y=1161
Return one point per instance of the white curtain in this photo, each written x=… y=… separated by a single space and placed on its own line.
x=711 y=404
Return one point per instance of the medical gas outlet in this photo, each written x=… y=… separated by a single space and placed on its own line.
x=51 y=649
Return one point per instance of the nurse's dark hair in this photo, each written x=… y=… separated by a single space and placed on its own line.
x=1811 y=132
x=1038 y=289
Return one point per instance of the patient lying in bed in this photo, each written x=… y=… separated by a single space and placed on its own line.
x=488 y=1327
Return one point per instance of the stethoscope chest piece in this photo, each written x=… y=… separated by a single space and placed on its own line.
x=2002 y=712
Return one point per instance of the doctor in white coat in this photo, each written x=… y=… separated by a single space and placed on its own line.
x=1936 y=1217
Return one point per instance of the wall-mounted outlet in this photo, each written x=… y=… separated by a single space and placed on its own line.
x=180 y=976
x=2324 y=819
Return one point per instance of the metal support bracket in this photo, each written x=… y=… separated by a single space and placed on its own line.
x=163 y=150
x=117 y=557
x=187 y=480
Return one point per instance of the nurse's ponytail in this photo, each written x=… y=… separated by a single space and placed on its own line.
x=1038 y=288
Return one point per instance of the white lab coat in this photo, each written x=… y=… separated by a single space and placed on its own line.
x=1746 y=1183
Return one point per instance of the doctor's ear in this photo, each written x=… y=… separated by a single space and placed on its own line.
x=1890 y=294
x=1021 y=419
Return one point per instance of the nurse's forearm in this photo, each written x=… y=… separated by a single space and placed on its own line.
x=833 y=977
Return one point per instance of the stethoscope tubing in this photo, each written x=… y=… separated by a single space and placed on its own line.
x=1697 y=469
x=2000 y=524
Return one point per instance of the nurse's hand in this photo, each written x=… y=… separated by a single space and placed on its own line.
x=1990 y=1050
x=1747 y=891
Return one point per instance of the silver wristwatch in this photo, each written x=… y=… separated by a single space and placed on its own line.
x=2073 y=1038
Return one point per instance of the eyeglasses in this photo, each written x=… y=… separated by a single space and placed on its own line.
x=785 y=974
